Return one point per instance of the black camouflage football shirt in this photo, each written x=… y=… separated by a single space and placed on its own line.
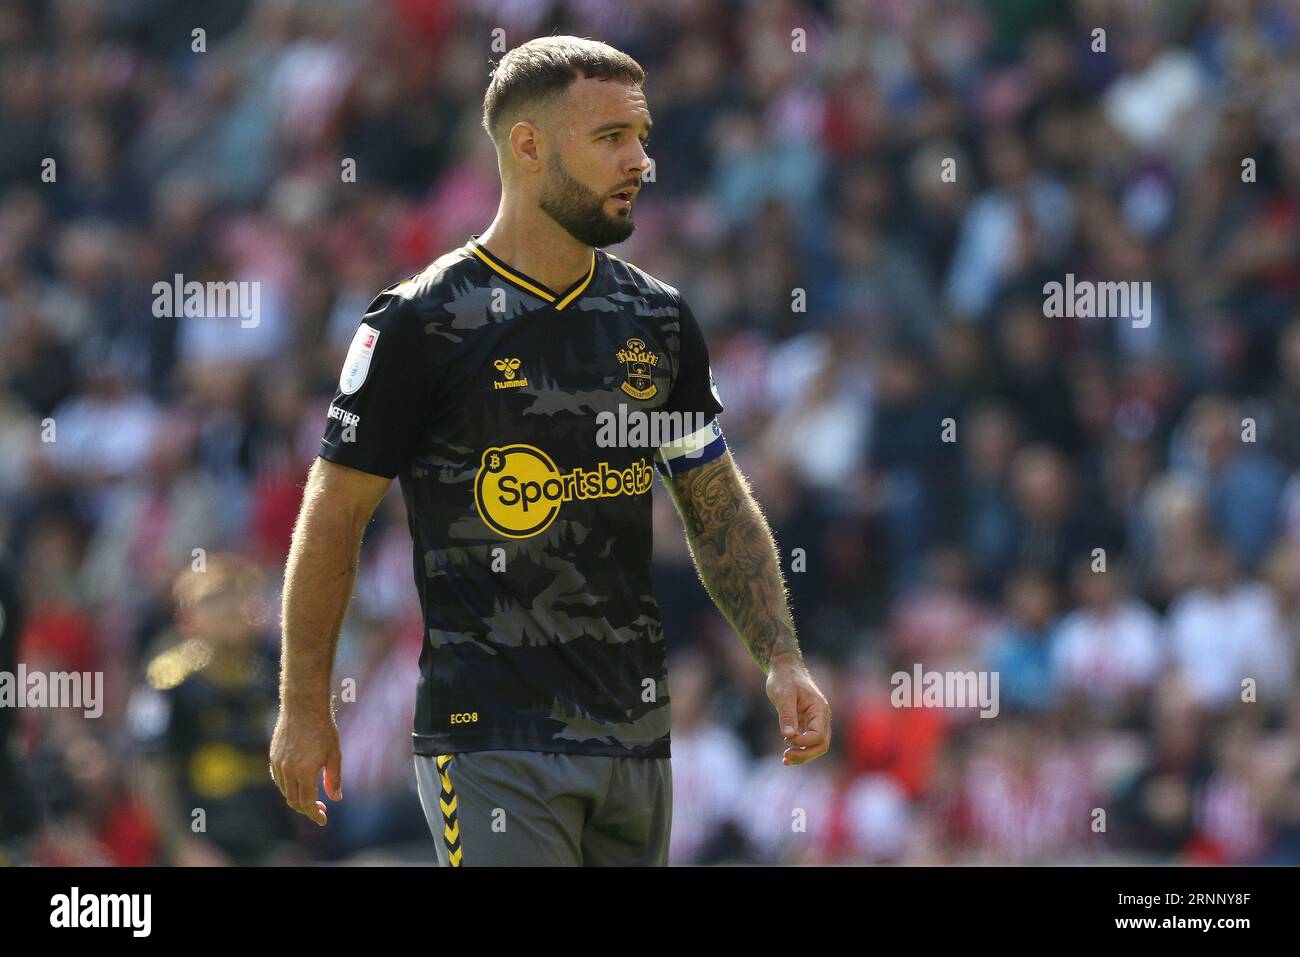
x=493 y=400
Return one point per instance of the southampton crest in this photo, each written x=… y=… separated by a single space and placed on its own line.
x=640 y=363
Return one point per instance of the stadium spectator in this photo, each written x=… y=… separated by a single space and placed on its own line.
x=203 y=720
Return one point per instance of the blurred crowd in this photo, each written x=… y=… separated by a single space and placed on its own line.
x=862 y=200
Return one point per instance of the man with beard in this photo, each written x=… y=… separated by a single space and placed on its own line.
x=486 y=384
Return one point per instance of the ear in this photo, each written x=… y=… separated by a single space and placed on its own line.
x=525 y=143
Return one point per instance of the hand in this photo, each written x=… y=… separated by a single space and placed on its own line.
x=805 y=715
x=303 y=744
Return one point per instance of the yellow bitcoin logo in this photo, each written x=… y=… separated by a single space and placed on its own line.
x=519 y=490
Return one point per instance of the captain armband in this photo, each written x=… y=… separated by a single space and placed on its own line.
x=701 y=446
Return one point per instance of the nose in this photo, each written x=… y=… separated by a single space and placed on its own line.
x=643 y=164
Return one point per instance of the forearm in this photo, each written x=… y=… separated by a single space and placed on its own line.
x=736 y=556
x=318 y=584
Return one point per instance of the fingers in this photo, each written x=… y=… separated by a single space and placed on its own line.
x=299 y=789
x=300 y=754
x=334 y=776
x=787 y=709
x=814 y=738
x=806 y=746
x=304 y=801
x=804 y=755
x=816 y=729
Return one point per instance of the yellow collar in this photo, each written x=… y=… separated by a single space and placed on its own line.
x=514 y=276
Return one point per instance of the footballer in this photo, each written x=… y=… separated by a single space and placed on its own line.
x=541 y=733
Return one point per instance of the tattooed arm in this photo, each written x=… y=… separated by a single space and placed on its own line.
x=736 y=557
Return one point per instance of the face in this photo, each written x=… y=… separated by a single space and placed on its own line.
x=222 y=617
x=599 y=151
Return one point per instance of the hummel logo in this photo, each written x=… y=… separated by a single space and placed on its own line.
x=508 y=368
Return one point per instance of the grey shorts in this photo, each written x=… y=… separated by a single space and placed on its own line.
x=533 y=808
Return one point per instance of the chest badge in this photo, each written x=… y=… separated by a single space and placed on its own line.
x=509 y=369
x=640 y=363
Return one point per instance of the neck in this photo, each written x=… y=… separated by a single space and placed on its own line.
x=532 y=242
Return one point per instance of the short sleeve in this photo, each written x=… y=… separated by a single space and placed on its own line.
x=380 y=402
x=695 y=396
x=693 y=388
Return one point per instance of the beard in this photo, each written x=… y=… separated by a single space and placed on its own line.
x=580 y=211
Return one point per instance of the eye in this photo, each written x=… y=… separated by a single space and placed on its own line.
x=611 y=136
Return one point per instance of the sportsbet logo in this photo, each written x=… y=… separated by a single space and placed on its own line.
x=518 y=490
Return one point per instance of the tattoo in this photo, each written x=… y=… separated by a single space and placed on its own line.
x=736 y=556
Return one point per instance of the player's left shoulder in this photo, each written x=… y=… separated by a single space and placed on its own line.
x=637 y=281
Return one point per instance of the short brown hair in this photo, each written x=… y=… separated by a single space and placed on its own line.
x=542 y=69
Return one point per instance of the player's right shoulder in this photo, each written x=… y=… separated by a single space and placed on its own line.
x=407 y=326
x=431 y=288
